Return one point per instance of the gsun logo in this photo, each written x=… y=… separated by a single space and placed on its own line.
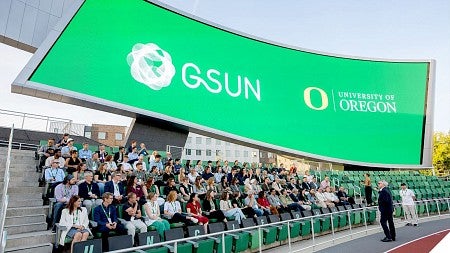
x=151 y=65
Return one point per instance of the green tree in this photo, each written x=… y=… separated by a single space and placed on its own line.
x=441 y=152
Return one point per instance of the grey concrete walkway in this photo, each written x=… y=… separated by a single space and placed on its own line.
x=360 y=240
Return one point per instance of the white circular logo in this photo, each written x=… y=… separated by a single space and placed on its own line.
x=151 y=65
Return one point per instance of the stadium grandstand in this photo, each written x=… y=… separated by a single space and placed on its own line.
x=354 y=126
x=199 y=206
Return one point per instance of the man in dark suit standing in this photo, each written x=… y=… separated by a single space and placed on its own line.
x=386 y=208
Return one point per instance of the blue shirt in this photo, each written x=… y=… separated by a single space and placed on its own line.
x=159 y=165
x=54 y=173
x=84 y=154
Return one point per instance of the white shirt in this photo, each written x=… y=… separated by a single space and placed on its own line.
x=330 y=196
x=126 y=167
x=172 y=208
x=407 y=197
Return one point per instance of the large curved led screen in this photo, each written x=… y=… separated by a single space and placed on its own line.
x=154 y=61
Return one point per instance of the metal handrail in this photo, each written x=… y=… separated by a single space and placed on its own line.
x=19 y=145
x=5 y=197
x=260 y=229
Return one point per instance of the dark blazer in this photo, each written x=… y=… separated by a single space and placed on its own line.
x=385 y=204
x=83 y=190
x=109 y=187
x=306 y=186
x=101 y=218
x=118 y=156
x=207 y=206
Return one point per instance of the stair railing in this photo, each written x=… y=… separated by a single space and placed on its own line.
x=5 y=197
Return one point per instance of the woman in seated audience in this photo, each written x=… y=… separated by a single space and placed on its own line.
x=192 y=176
x=265 y=204
x=72 y=162
x=224 y=184
x=228 y=209
x=210 y=209
x=101 y=176
x=237 y=202
x=139 y=190
x=199 y=188
x=211 y=184
x=193 y=207
x=182 y=175
x=168 y=174
x=111 y=165
x=79 y=173
x=235 y=187
x=185 y=189
x=75 y=218
x=172 y=210
x=154 y=217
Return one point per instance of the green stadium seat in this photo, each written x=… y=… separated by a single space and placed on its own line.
x=341 y=217
x=269 y=232
x=282 y=232
x=204 y=245
x=150 y=238
x=241 y=240
x=176 y=234
x=220 y=227
x=294 y=226
x=305 y=224
x=254 y=234
x=316 y=222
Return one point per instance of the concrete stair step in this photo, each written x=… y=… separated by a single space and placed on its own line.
x=29 y=239
x=4 y=152
x=20 y=183
x=25 y=203
x=19 y=176
x=21 y=167
x=26 y=228
x=21 y=196
x=25 y=219
x=25 y=190
x=41 y=248
x=21 y=211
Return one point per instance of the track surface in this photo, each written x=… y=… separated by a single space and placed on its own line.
x=405 y=235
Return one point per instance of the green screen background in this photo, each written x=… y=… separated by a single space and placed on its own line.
x=90 y=58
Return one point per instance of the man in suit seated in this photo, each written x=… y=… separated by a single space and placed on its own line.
x=106 y=217
x=116 y=187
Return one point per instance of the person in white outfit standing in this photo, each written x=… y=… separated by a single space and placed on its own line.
x=409 y=206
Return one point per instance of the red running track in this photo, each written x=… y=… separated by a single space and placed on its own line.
x=421 y=245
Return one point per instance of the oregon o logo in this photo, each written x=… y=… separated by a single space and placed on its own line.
x=151 y=65
x=307 y=98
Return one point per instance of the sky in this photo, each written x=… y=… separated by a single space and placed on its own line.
x=400 y=29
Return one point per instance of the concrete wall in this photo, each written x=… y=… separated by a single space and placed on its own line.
x=24 y=24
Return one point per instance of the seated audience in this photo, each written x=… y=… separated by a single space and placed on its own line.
x=132 y=215
x=228 y=209
x=107 y=220
x=90 y=192
x=66 y=151
x=138 y=189
x=72 y=162
x=63 y=193
x=93 y=163
x=344 y=199
x=172 y=210
x=116 y=188
x=85 y=153
x=210 y=209
x=75 y=218
x=154 y=217
x=101 y=176
x=194 y=208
